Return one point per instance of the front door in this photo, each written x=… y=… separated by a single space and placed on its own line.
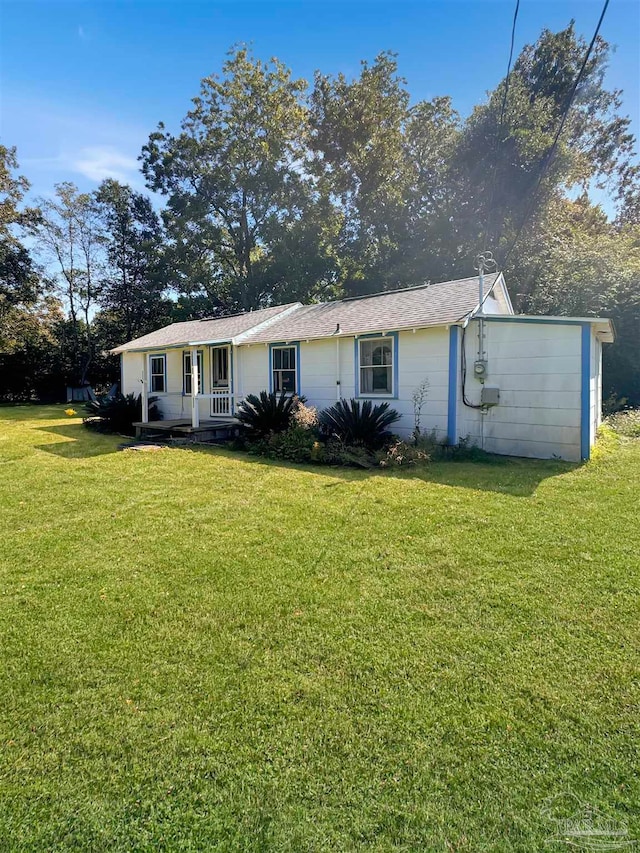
x=220 y=381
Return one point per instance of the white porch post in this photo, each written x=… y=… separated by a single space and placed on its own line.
x=195 y=411
x=145 y=388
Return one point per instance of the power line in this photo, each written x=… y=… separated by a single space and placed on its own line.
x=556 y=139
x=507 y=79
x=501 y=122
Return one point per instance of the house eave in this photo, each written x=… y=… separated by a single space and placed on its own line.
x=351 y=334
x=179 y=345
x=604 y=330
x=603 y=326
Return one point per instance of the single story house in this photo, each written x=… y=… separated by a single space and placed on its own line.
x=512 y=384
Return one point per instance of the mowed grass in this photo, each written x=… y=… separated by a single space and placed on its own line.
x=203 y=651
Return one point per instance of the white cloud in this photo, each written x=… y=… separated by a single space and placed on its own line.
x=81 y=32
x=100 y=162
x=76 y=142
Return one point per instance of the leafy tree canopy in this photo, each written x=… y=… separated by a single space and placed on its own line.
x=236 y=188
x=276 y=191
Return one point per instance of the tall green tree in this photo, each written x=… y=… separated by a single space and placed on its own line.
x=358 y=137
x=507 y=170
x=71 y=241
x=235 y=185
x=20 y=283
x=29 y=314
x=133 y=285
x=434 y=250
x=422 y=192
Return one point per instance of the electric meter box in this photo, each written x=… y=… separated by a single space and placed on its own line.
x=489 y=396
x=480 y=369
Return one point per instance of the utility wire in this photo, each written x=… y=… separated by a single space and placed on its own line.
x=463 y=373
x=507 y=79
x=501 y=124
x=554 y=146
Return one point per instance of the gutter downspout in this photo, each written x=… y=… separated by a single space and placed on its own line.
x=338 y=388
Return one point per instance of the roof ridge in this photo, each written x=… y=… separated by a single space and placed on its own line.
x=410 y=288
x=241 y=313
x=381 y=293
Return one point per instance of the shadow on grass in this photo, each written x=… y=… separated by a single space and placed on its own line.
x=500 y=474
x=514 y=476
x=83 y=443
x=507 y=475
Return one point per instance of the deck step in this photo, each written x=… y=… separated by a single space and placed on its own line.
x=220 y=429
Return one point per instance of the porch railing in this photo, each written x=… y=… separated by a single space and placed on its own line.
x=220 y=402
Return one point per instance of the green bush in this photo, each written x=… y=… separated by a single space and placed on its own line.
x=296 y=444
x=266 y=413
x=359 y=424
x=300 y=444
x=118 y=413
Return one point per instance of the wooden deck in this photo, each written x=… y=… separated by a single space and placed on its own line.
x=211 y=429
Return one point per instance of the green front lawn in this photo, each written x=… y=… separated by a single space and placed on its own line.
x=203 y=651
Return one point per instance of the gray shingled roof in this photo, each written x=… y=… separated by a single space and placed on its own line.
x=205 y=331
x=413 y=307
x=426 y=305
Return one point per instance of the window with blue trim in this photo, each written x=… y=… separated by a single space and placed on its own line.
x=186 y=364
x=158 y=373
x=284 y=370
x=375 y=366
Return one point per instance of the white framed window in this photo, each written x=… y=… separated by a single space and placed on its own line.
x=186 y=371
x=158 y=373
x=376 y=367
x=284 y=369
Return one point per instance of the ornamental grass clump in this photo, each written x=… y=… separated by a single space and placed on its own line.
x=359 y=424
x=267 y=413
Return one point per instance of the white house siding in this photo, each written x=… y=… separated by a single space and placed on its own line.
x=319 y=371
x=252 y=369
x=595 y=387
x=131 y=372
x=537 y=367
x=496 y=303
x=423 y=355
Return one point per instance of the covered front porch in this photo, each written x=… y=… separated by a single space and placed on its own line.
x=193 y=388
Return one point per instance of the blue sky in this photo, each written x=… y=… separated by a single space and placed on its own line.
x=82 y=84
